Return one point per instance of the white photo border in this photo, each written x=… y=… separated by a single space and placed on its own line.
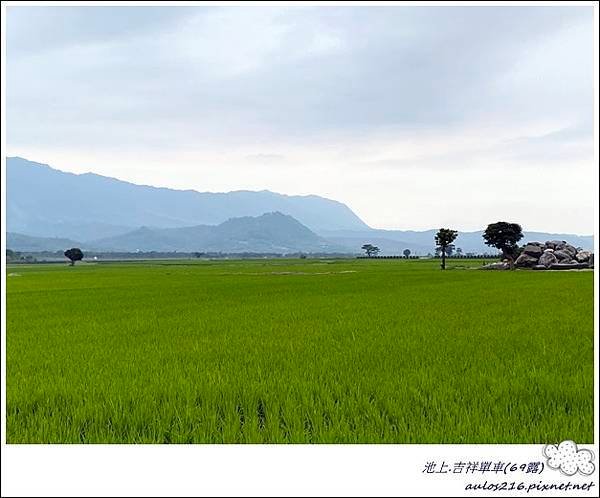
x=271 y=470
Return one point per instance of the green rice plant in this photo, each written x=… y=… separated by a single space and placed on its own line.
x=297 y=351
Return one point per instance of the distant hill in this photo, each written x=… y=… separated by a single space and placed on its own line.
x=27 y=243
x=269 y=233
x=46 y=202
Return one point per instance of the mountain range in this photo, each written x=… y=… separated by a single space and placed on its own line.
x=51 y=203
x=268 y=233
x=48 y=209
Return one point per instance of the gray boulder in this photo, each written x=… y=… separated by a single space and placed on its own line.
x=591 y=261
x=583 y=256
x=532 y=249
x=568 y=248
x=568 y=266
x=563 y=255
x=551 y=244
x=526 y=261
x=539 y=267
x=547 y=259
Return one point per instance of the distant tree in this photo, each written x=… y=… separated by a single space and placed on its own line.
x=370 y=250
x=459 y=251
x=450 y=250
x=74 y=254
x=443 y=239
x=406 y=253
x=504 y=236
x=199 y=254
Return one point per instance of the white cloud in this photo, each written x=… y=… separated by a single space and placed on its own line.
x=412 y=116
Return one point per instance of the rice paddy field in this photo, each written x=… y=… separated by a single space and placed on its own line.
x=297 y=351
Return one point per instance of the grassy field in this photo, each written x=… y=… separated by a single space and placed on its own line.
x=300 y=351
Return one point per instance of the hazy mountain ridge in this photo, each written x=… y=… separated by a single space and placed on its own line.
x=48 y=209
x=269 y=233
x=28 y=243
x=42 y=201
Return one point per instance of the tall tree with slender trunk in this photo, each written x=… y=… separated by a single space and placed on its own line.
x=443 y=239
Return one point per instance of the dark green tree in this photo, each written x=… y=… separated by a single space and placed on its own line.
x=504 y=236
x=370 y=250
x=74 y=254
x=443 y=239
x=406 y=253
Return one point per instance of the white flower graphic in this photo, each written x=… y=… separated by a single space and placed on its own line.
x=568 y=459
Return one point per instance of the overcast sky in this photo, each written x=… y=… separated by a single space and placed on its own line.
x=416 y=117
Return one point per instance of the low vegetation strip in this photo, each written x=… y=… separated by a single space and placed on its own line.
x=396 y=351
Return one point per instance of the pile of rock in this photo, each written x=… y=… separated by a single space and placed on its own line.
x=554 y=255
